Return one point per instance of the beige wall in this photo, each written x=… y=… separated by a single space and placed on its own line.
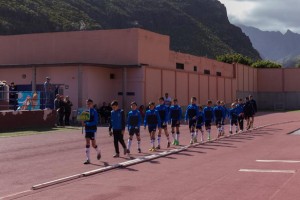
x=102 y=46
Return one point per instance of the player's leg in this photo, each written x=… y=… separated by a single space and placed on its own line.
x=116 y=143
x=138 y=138
x=129 y=141
x=94 y=144
x=167 y=135
x=87 y=151
x=159 y=136
x=177 y=134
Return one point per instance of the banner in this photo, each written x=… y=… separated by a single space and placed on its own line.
x=29 y=100
x=83 y=114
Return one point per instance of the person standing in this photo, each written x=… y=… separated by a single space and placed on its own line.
x=240 y=113
x=219 y=114
x=254 y=105
x=13 y=96
x=191 y=116
x=163 y=114
x=208 y=114
x=68 y=110
x=134 y=121
x=90 y=132
x=117 y=127
x=175 y=117
x=248 y=112
x=48 y=91
x=152 y=119
x=199 y=124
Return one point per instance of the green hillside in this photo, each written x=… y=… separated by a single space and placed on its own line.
x=198 y=27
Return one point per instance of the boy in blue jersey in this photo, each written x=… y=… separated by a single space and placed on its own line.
x=208 y=118
x=152 y=119
x=117 y=125
x=134 y=121
x=175 y=117
x=90 y=131
x=219 y=114
x=163 y=114
x=191 y=116
x=233 y=116
x=199 y=124
x=223 y=120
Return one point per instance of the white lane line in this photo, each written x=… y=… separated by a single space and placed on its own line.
x=15 y=194
x=268 y=171
x=279 y=161
x=61 y=180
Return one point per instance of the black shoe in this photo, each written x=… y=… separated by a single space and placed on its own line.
x=139 y=150
x=87 y=162
x=99 y=156
x=116 y=155
x=169 y=144
x=158 y=147
x=128 y=151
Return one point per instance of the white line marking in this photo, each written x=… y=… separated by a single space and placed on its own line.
x=15 y=194
x=279 y=161
x=268 y=171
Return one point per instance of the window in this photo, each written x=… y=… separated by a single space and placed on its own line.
x=195 y=68
x=179 y=66
x=219 y=74
x=206 y=71
x=111 y=76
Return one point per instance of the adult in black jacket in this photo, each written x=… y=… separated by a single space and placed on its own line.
x=68 y=109
x=248 y=112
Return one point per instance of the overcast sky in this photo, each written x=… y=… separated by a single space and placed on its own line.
x=267 y=15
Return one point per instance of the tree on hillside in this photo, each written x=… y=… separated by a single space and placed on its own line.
x=235 y=58
x=265 y=64
x=239 y=58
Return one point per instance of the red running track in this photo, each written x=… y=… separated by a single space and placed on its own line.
x=209 y=171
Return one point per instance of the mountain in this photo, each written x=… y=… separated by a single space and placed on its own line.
x=275 y=46
x=198 y=27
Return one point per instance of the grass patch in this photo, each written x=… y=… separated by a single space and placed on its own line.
x=25 y=132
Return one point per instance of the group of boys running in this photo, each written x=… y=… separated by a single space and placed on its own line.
x=158 y=117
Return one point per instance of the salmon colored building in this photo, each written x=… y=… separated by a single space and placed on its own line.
x=136 y=64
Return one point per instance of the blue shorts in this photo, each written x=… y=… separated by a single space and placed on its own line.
x=90 y=135
x=192 y=123
x=133 y=131
x=152 y=129
x=175 y=123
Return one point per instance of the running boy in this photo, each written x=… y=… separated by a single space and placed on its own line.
x=191 y=115
x=199 y=124
x=233 y=116
x=163 y=114
x=175 y=117
x=152 y=119
x=134 y=121
x=208 y=118
x=90 y=131
x=117 y=124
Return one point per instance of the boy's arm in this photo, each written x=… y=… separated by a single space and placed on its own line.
x=180 y=114
x=110 y=122
x=186 y=114
x=145 y=119
x=158 y=119
x=140 y=119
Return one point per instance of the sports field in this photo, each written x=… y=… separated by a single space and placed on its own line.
x=263 y=163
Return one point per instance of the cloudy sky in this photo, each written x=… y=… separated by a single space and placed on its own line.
x=267 y=15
